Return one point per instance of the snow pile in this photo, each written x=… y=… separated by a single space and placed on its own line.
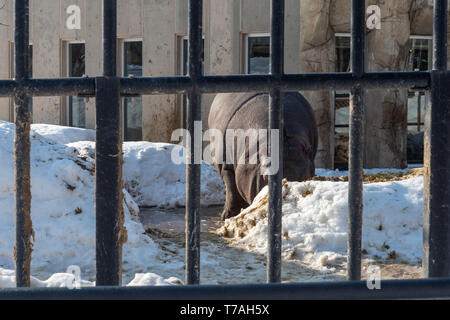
x=149 y=174
x=315 y=222
x=67 y=280
x=154 y=180
x=62 y=211
x=63 y=135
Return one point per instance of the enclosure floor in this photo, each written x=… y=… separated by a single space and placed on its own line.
x=222 y=263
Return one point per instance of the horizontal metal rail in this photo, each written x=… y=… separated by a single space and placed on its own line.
x=217 y=84
x=348 y=290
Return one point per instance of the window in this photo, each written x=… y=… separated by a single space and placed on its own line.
x=76 y=106
x=30 y=63
x=184 y=68
x=132 y=106
x=420 y=59
x=342 y=98
x=257 y=53
x=342 y=53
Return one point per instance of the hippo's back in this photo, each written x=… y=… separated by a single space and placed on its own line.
x=250 y=109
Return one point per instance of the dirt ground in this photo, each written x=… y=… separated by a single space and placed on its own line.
x=223 y=263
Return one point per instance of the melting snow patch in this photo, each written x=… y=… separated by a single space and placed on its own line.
x=315 y=222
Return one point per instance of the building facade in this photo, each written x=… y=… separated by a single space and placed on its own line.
x=66 y=40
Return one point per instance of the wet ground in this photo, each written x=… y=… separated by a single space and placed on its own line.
x=222 y=263
x=172 y=220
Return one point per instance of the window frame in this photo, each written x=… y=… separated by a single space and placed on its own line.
x=418 y=95
x=246 y=46
x=67 y=45
x=182 y=100
x=123 y=71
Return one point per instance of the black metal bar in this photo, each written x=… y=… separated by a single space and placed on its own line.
x=419 y=110
x=61 y=87
x=156 y=85
x=216 y=84
x=8 y=88
x=440 y=35
x=348 y=290
x=110 y=38
x=346 y=81
x=110 y=233
x=193 y=167
x=436 y=214
x=356 y=144
x=288 y=82
x=24 y=230
x=275 y=123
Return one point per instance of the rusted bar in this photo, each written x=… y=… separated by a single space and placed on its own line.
x=436 y=213
x=440 y=35
x=110 y=233
x=24 y=229
x=355 y=188
x=356 y=144
x=193 y=167
x=276 y=123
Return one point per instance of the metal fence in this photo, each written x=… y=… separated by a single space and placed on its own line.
x=108 y=198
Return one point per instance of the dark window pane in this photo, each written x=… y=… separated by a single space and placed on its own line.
x=420 y=54
x=342 y=54
x=30 y=64
x=420 y=59
x=76 y=68
x=258 y=55
x=132 y=107
x=133 y=59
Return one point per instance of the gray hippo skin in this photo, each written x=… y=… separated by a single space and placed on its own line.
x=250 y=111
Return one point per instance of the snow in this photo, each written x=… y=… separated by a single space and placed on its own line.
x=63 y=280
x=63 y=135
x=315 y=217
x=152 y=178
x=63 y=210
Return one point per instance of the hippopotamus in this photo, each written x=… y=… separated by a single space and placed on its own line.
x=243 y=181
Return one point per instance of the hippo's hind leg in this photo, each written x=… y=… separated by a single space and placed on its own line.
x=234 y=202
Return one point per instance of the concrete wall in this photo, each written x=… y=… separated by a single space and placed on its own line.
x=310 y=47
x=387 y=50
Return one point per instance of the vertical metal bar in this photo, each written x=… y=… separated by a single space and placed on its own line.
x=24 y=230
x=193 y=167
x=109 y=38
x=110 y=233
x=419 y=109
x=355 y=192
x=276 y=123
x=440 y=35
x=436 y=215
